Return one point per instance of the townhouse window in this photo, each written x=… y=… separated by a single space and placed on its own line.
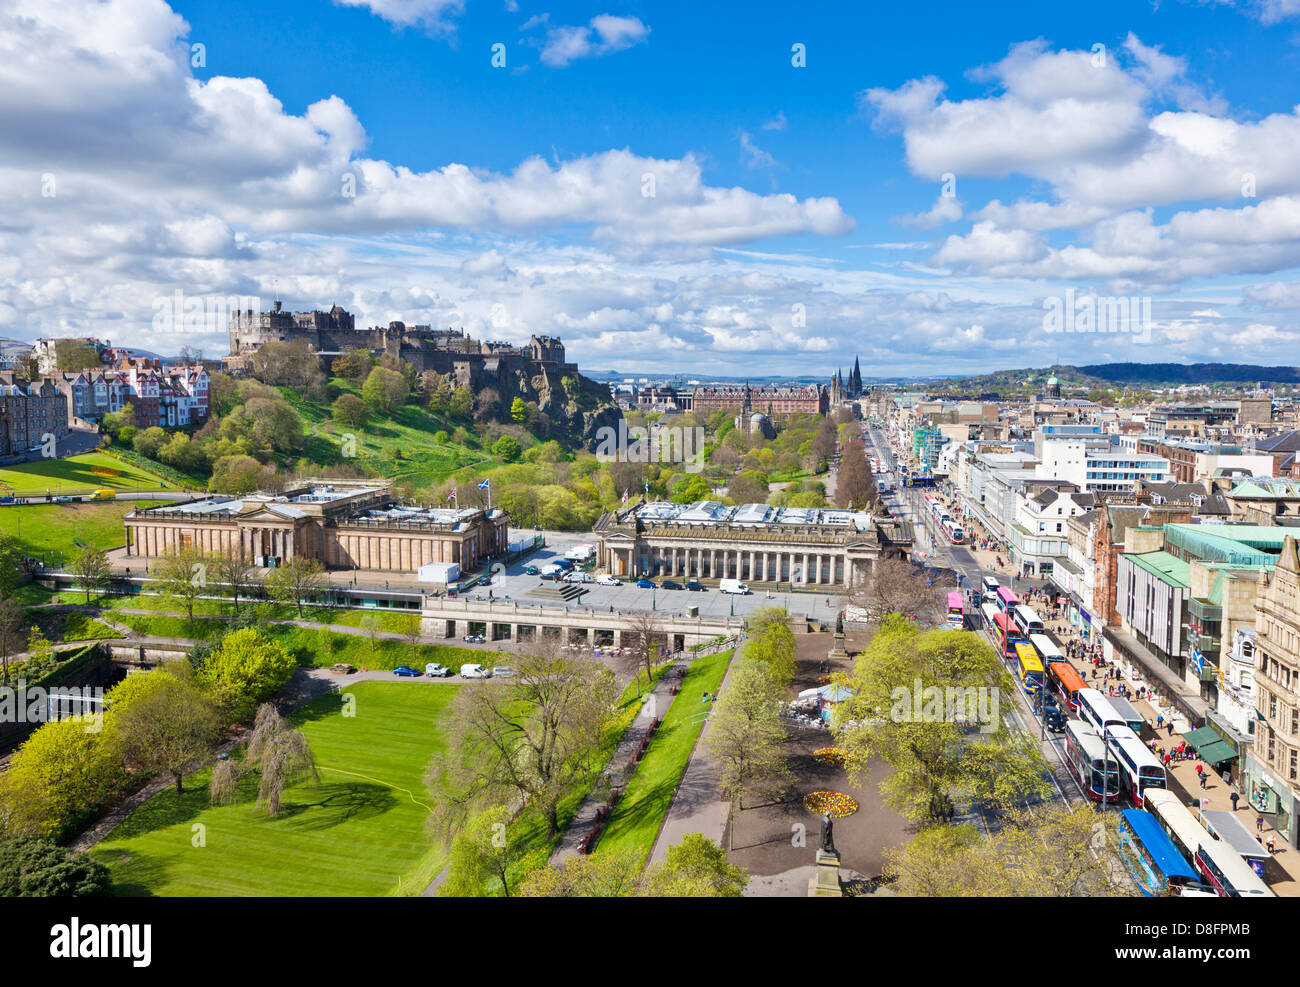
x=1293 y=765
x=1295 y=722
x=1272 y=706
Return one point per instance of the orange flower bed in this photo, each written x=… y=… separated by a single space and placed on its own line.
x=837 y=805
x=831 y=755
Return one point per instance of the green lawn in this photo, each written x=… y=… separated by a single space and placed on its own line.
x=76 y=474
x=355 y=834
x=52 y=527
x=641 y=811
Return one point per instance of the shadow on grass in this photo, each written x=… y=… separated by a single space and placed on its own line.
x=338 y=802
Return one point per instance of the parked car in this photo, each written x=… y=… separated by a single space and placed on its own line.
x=474 y=639
x=475 y=672
x=694 y=585
x=502 y=671
x=550 y=574
x=63 y=499
x=434 y=670
x=579 y=577
x=406 y=671
x=7 y=499
x=669 y=584
x=645 y=584
x=608 y=580
x=531 y=570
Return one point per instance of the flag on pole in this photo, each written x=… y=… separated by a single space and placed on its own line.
x=647 y=487
x=625 y=495
x=451 y=496
x=484 y=485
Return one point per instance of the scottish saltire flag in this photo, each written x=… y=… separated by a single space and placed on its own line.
x=484 y=485
x=647 y=488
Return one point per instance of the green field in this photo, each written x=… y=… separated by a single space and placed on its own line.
x=644 y=805
x=355 y=834
x=76 y=475
x=53 y=527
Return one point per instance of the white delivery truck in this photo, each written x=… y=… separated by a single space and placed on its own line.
x=734 y=586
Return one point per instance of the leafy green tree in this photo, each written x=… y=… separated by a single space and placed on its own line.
x=518 y=411
x=615 y=874
x=36 y=868
x=350 y=410
x=148 y=442
x=487 y=857
x=774 y=646
x=691 y=487
x=90 y=566
x=384 y=389
x=246 y=669
x=506 y=448
x=919 y=697
x=183 y=577
x=13 y=627
x=62 y=773
x=746 y=737
x=696 y=868
x=167 y=728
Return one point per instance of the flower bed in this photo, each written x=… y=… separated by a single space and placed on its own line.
x=837 y=805
x=831 y=755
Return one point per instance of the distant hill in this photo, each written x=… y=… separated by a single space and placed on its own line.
x=1189 y=373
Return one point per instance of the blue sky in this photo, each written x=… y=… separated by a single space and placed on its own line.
x=799 y=214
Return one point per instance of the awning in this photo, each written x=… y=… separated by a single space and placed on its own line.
x=1218 y=752
x=1202 y=735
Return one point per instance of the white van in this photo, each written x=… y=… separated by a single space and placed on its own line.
x=475 y=672
x=990 y=587
x=733 y=586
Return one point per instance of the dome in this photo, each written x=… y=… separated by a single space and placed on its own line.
x=1052 y=381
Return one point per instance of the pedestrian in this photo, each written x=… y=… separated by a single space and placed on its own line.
x=1203 y=781
x=1235 y=798
x=1272 y=844
x=1259 y=824
x=1171 y=728
x=1200 y=770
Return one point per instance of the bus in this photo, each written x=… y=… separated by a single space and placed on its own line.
x=1046 y=649
x=1220 y=866
x=1096 y=710
x=1154 y=863
x=990 y=614
x=1132 y=718
x=1028 y=621
x=1227 y=827
x=956 y=610
x=1139 y=769
x=954 y=532
x=1007 y=601
x=990 y=586
x=1090 y=762
x=1065 y=682
x=1004 y=633
x=1028 y=668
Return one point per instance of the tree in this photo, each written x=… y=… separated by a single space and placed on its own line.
x=36 y=868
x=233 y=571
x=384 y=390
x=533 y=740
x=40 y=652
x=696 y=868
x=615 y=874
x=691 y=487
x=411 y=624
x=1057 y=852
x=647 y=637
x=246 y=669
x=899 y=586
x=13 y=628
x=280 y=754
x=297 y=580
x=855 y=487
x=749 y=487
x=507 y=448
x=183 y=577
x=350 y=410
x=353 y=366
x=12 y=571
x=90 y=566
x=487 y=854
x=291 y=364
x=148 y=442
x=167 y=728
x=772 y=643
x=746 y=737
x=518 y=411
x=370 y=623
x=918 y=697
x=61 y=774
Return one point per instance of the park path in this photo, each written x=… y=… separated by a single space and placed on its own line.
x=654 y=705
x=697 y=806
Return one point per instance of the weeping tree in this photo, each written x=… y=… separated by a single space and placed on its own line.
x=277 y=752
